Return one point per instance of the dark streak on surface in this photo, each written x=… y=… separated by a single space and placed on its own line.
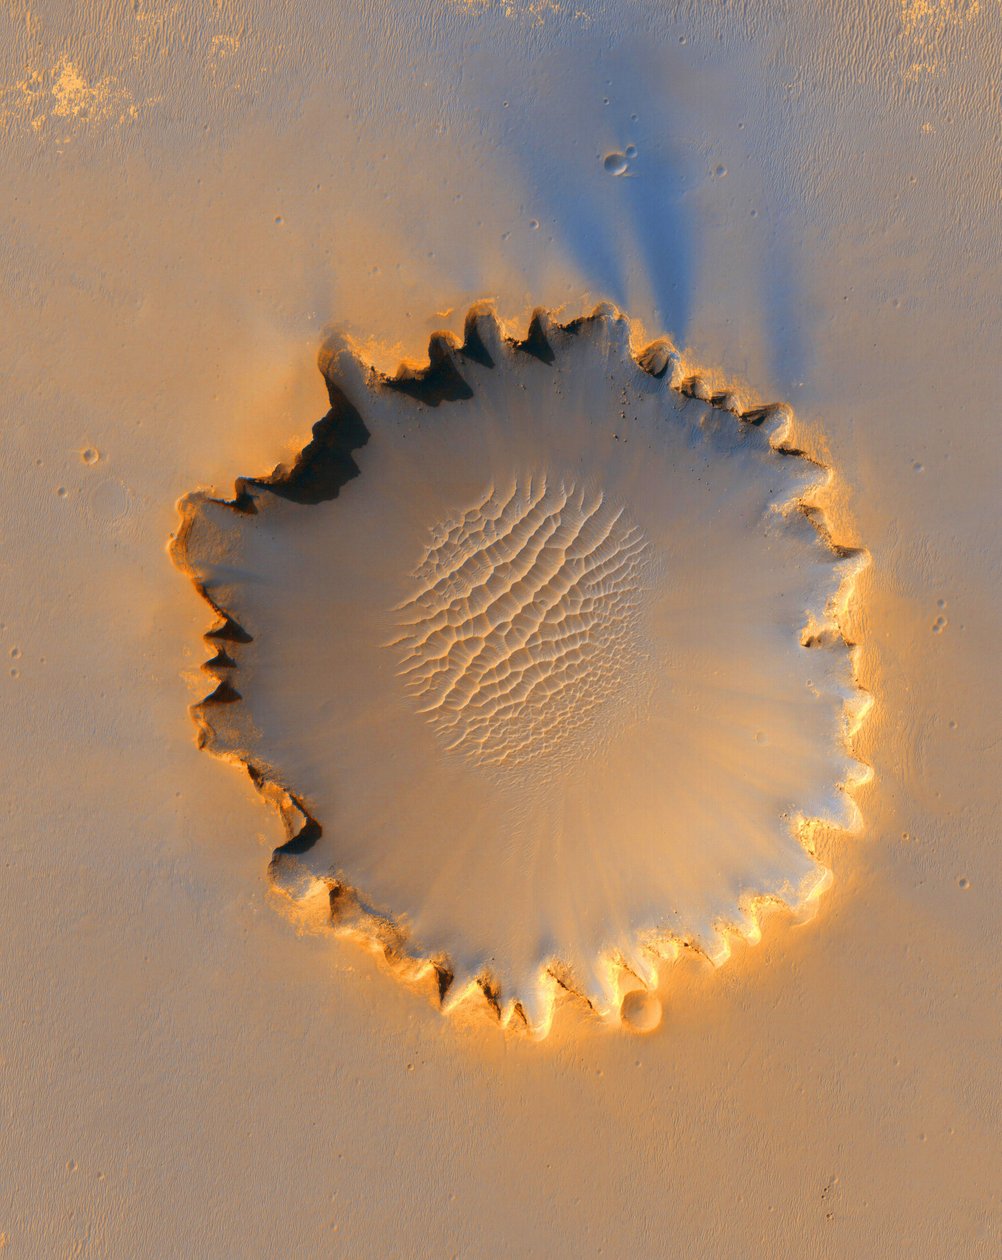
x=230 y=631
x=326 y=463
x=303 y=840
x=536 y=344
x=439 y=382
x=222 y=660
x=444 y=977
x=473 y=347
x=225 y=693
x=583 y=323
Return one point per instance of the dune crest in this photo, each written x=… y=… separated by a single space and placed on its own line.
x=523 y=628
x=537 y=651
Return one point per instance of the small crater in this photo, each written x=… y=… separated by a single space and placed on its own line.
x=109 y=500
x=616 y=164
x=641 y=1011
x=963 y=883
x=90 y=455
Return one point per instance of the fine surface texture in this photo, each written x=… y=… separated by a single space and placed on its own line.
x=806 y=198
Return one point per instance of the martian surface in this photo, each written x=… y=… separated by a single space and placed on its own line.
x=500 y=518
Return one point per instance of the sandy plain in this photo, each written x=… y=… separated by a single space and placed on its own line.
x=192 y=194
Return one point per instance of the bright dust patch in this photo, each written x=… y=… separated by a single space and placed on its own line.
x=535 y=12
x=523 y=628
x=930 y=31
x=929 y=20
x=64 y=93
x=537 y=653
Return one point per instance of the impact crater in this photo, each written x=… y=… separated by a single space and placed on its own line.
x=539 y=653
